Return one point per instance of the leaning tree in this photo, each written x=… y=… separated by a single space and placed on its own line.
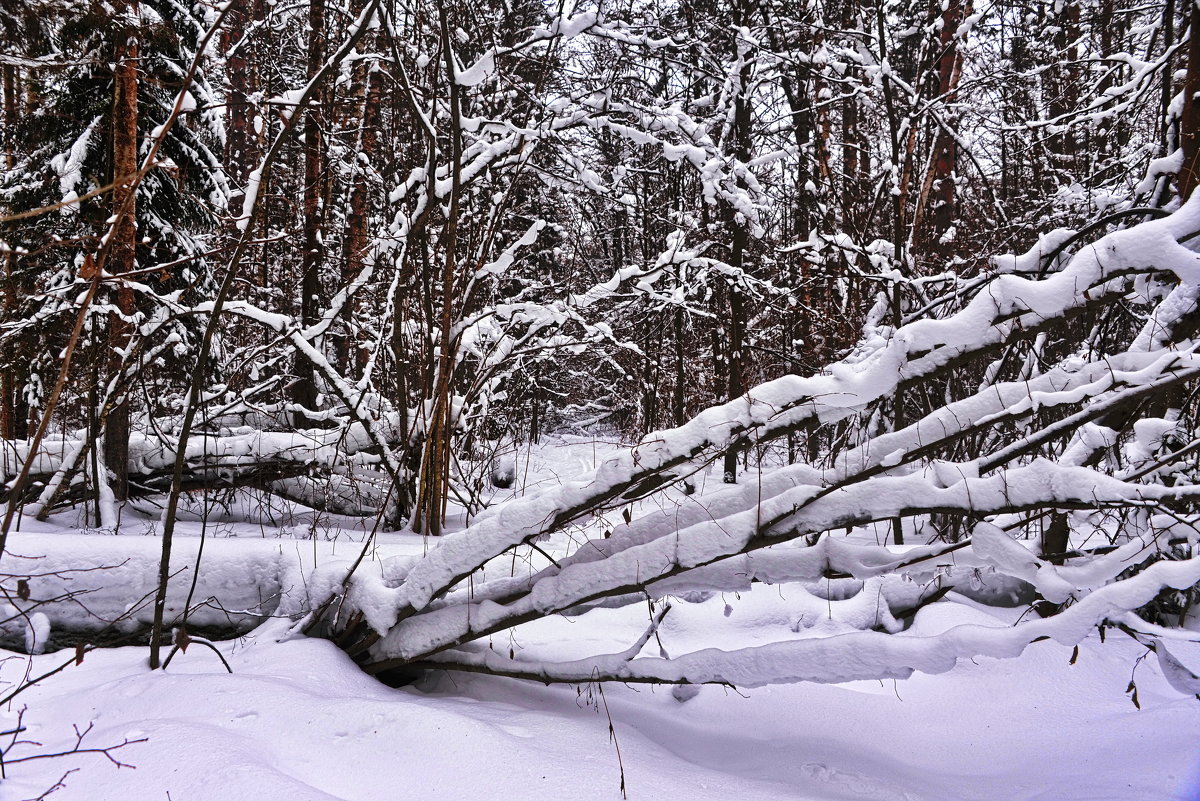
x=1023 y=434
x=1063 y=443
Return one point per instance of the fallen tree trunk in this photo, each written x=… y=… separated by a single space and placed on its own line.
x=63 y=589
x=235 y=458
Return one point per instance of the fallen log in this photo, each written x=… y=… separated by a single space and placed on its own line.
x=273 y=461
x=58 y=589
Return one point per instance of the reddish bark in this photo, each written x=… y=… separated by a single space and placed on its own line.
x=124 y=237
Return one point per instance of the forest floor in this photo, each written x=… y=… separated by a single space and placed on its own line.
x=297 y=720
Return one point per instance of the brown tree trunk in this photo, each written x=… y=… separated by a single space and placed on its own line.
x=124 y=236
x=245 y=129
x=10 y=114
x=930 y=226
x=1166 y=94
x=370 y=100
x=1063 y=90
x=242 y=139
x=854 y=193
x=678 y=396
x=736 y=325
x=13 y=409
x=430 y=513
x=237 y=120
x=304 y=391
x=802 y=212
x=824 y=125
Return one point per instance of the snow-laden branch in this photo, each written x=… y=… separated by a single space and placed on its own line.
x=1139 y=374
x=1011 y=305
x=782 y=518
x=229 y=452
x=842 y=657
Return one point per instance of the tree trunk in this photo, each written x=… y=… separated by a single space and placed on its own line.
x=1063 y=90
x=370 y=99
x=124 y=238
x=304 y=392
x=240 y=137
x=740 y=235
x=430 y=513
x=678 y=397
x=14 y=411
x=1189 y=124
x=934 y=214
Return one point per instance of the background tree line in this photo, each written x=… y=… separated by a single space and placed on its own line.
x=484 y=222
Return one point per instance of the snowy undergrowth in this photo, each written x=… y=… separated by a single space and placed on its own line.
x=297 y=719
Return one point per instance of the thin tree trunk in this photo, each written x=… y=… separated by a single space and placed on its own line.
x=304 y=392
x=678 y=397
x=1064 y=94
x=370 y=98
x=1189 y=124
x=938 y=189
x=13 y=409
x=740 y=235
x=430 y=514
x=1166 y=94
x=240 y=137
x=10 y=115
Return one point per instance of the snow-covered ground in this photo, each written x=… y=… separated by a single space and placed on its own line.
x=297 y=720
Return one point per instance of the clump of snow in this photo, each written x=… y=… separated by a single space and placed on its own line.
x=37 y=633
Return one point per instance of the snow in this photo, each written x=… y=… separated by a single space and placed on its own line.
x=820 y=660
x=250 y=199
x=69 y=165
x=297 y=719
x=915 y=350
x=478 y=72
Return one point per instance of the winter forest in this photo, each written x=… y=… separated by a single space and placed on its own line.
x=660 y=399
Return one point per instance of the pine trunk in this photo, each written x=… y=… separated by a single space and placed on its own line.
x=124 y=241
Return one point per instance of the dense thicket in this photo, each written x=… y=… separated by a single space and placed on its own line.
x=351 y=252
x=494 y=221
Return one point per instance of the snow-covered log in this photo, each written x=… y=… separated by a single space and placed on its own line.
x=233 y=457
x=79 y=588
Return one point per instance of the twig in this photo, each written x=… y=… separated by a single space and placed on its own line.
x=612 y=735
x=183 y=640
x=79 y=749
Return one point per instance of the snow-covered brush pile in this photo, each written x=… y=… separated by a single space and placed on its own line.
x=1072 y=476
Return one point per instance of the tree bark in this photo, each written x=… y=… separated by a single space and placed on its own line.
x=430 y=513
x=304 y=392
x=1189 y=124
x=14 y=410
x=934 y=214
x=740 y=133
x=1063 y=90
x=124 y=237
x=370 y=100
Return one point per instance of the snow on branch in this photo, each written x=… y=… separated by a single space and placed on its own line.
x=1011 y=305
x=842 y=657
